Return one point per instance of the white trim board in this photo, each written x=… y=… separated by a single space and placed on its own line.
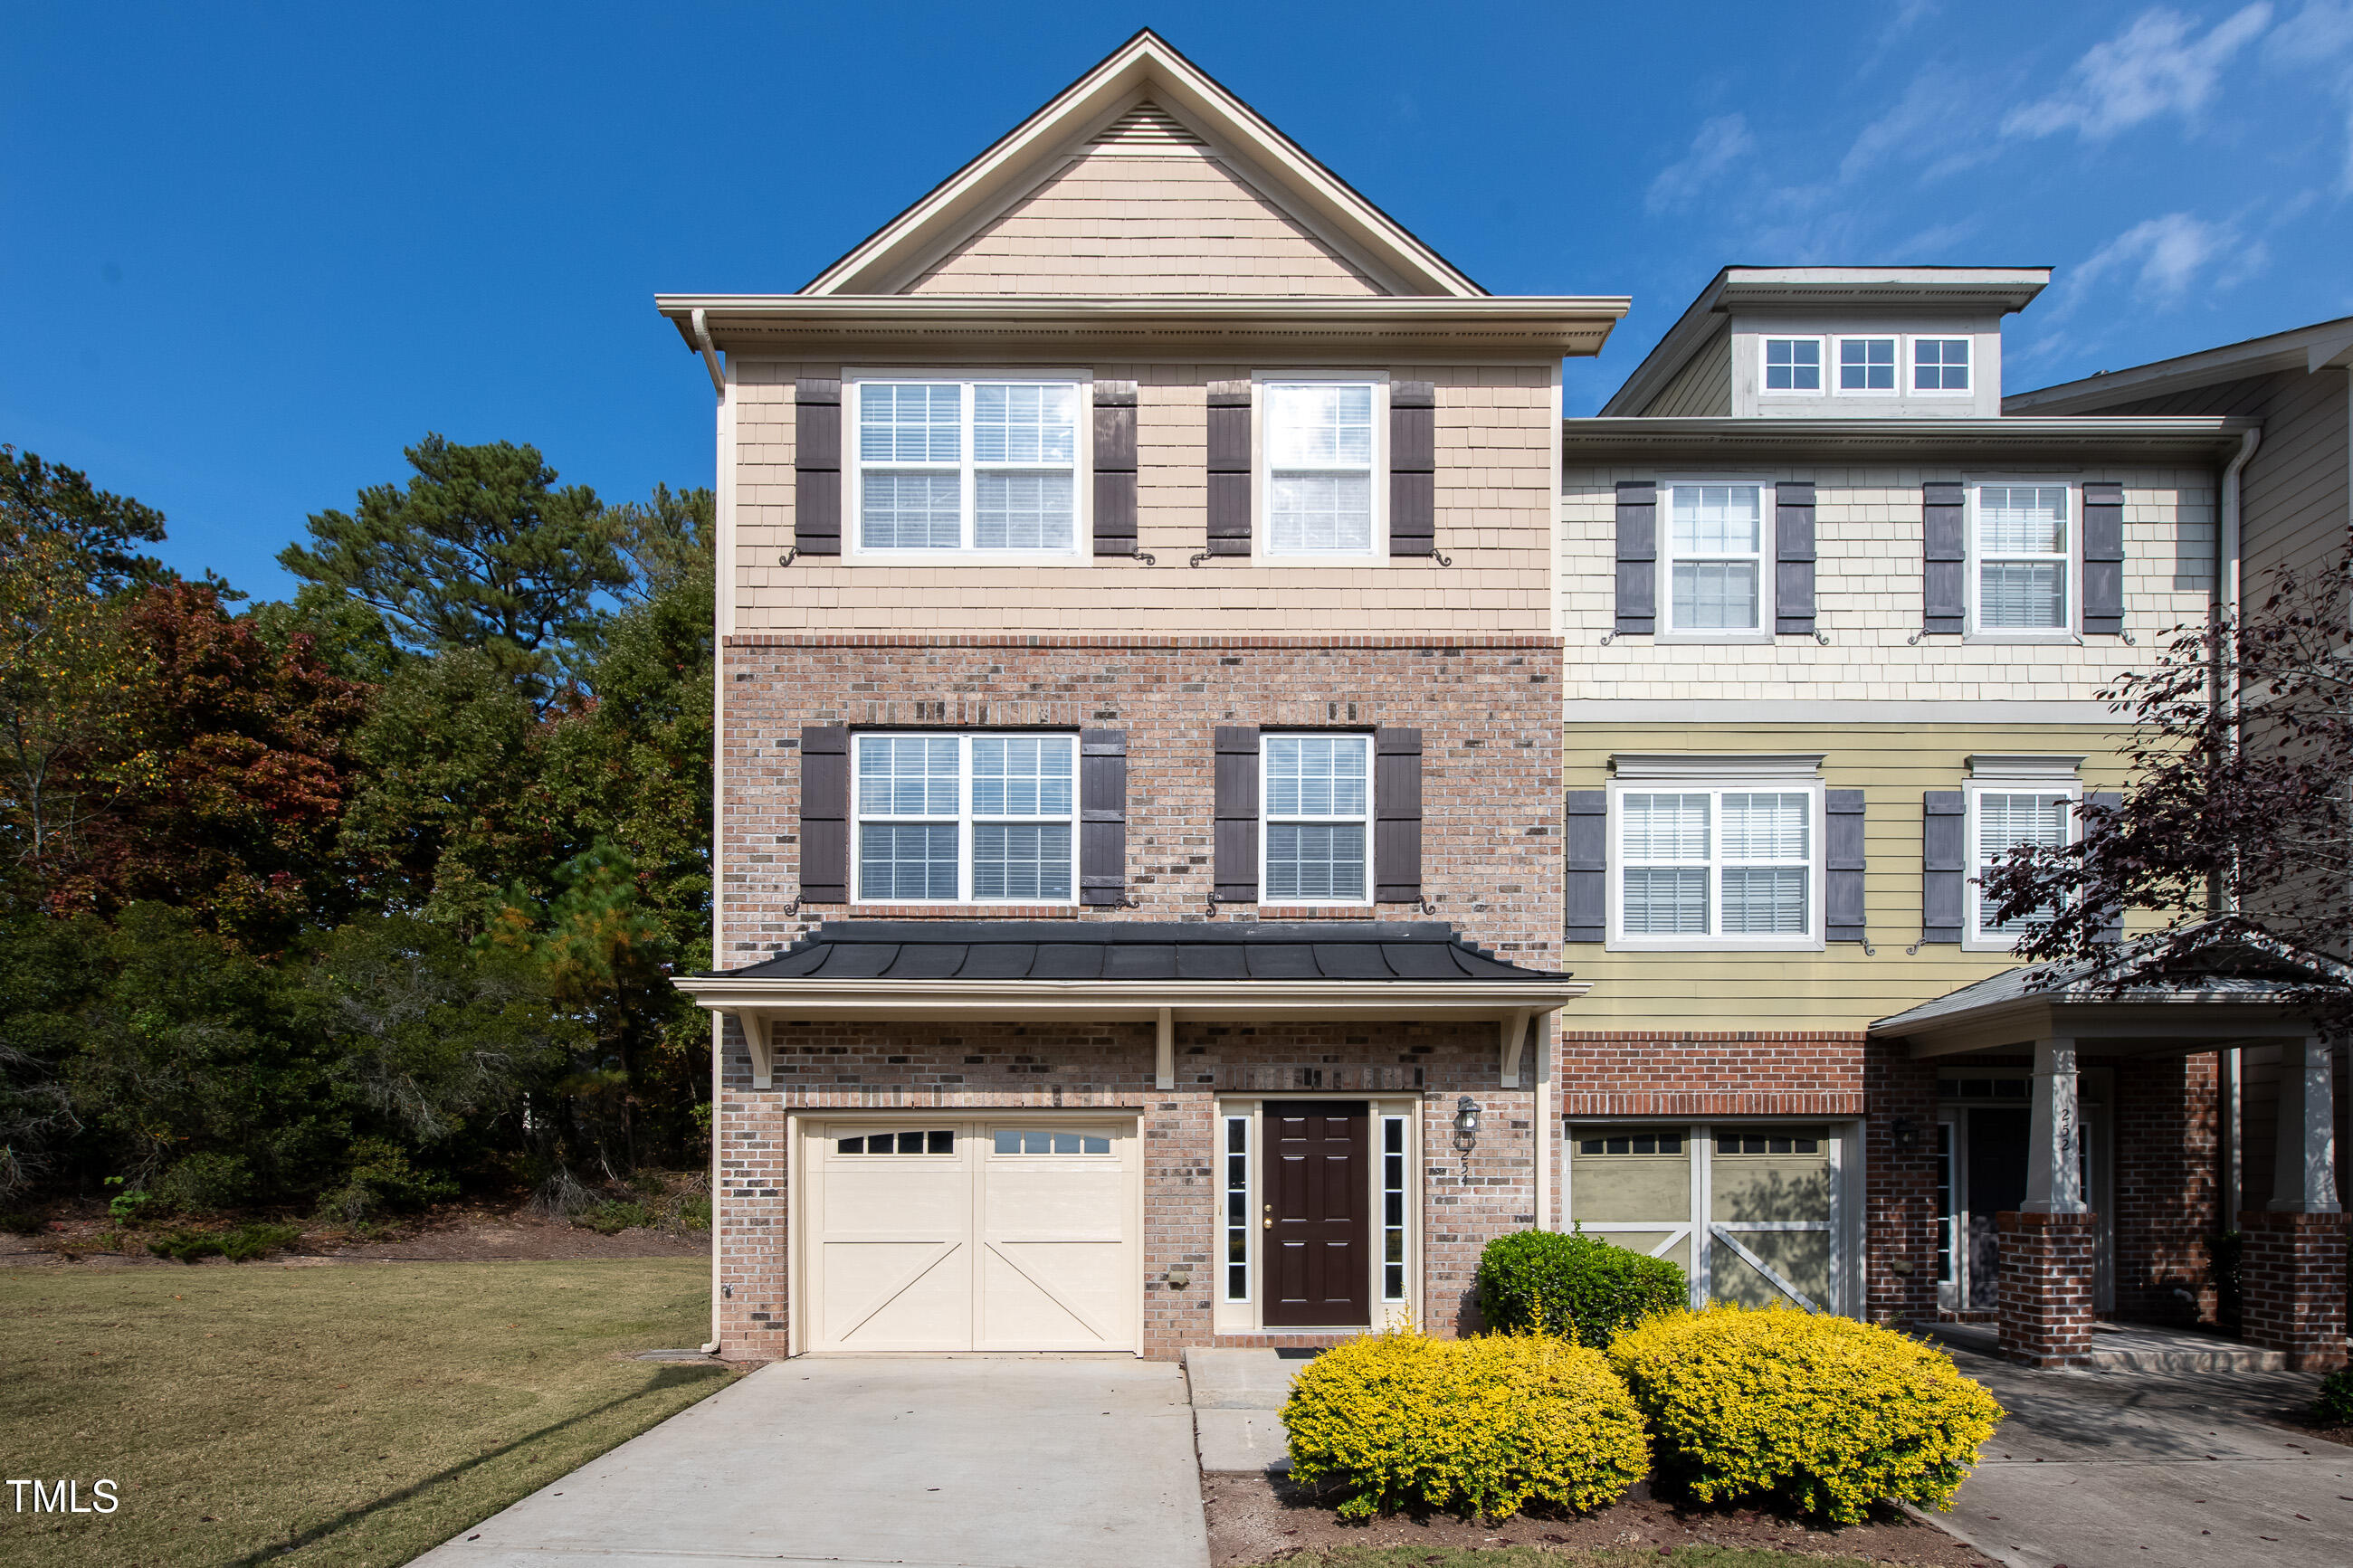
x=1718 y=710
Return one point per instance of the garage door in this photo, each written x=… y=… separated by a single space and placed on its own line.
x=971 y=1235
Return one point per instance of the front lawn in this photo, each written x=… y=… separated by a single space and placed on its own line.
x=355 y=1412
x=1538 y=1557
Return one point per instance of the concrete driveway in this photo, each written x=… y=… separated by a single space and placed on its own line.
x=2153 y=1470
x=970 y=1461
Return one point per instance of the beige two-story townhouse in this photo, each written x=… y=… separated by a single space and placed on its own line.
x=1838 y=628
x=1139 y=820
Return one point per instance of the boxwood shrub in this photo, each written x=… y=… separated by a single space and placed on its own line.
x=1480 y=1427
x=1578 y=1286
x=1825 y=1415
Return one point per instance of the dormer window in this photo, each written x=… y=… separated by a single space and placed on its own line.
x=1866 y=365
x=1793 y=364
x=1940 y=365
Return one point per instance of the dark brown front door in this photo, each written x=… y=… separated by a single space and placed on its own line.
x=1318 y=1268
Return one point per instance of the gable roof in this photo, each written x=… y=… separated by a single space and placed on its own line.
x=2307 y=349
x=2006 y=289
x=1142 y=92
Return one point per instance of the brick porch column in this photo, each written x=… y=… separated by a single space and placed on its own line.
x=2045 y=1310
x=2291 y=1276
x=2293 y=1269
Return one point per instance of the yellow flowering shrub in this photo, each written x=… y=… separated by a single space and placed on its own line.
x=1823 y=1415
x=1479 y=1428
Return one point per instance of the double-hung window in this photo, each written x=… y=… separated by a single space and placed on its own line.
x=971 y=818
x=2006 y=815
x=1866 y=365
x=1701 y=865
x=1940 y=365
x=967 y=465
x=1320 y=451
x=1793 y=364
x=1713 y=559
x=2020 y=577
x=1317 y=794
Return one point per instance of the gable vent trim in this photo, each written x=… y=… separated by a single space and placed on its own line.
x=1146 y=125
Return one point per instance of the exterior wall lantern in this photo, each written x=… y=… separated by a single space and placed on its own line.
x=1906 y=1133
x=1466 y=1130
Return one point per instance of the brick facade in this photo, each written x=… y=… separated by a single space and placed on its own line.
x=2046 y=1287
x=2166 y=1130
x=2293 y=1275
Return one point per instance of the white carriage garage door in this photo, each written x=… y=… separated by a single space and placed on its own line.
x=971 y=1235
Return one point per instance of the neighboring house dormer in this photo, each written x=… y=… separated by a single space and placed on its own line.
x=1835 y=342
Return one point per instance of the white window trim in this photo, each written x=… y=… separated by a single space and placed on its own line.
x=1082 y=551
x=2069 y=628
x=1767 y=560
x=1822 y=365
x=1911 y=364
x=1651 y=775
x=1228 y=1114
x=2009 y=776
x=1263 y=470
x=1266 y=820
x=965 y=819
x=1837 y=355
x=1381 y=1122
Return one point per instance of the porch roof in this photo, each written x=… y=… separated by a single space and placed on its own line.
x=2214 y=984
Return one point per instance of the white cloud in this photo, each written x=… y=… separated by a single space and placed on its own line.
x=1925 y=126
x=2153 y=68
x=2320 y=37
x=1905 y=16
x=1720 y=141
x=2163 y=258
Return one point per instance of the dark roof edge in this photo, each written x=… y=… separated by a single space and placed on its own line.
x=2268 y=354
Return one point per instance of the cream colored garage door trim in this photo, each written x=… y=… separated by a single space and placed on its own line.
x=918 y=1233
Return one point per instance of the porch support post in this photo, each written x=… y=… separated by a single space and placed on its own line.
x=1543 y=1119
x=1514 y=1033
x=2305 y=1179
x=1164 y=1049
x=2292 y=1268
x=2054 y=1169
x=2045 y=1297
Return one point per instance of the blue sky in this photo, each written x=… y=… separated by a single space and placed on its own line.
x=253 y=251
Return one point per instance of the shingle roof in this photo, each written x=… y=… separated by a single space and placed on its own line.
x=1363 y=950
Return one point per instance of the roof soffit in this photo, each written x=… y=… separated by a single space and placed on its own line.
x=1143 y=68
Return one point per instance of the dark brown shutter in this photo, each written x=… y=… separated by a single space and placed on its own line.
x=1588 y=864
x=2103 y=560
x=824 y=814
x=1413 y=468
x=1944 y=555
x=1638 y=555
x=1229 y=467
x=1793 y=586
x=1842 y=865
x=1114 y=460
x=1102 y=816
x=1944 y=866
x=1396 y=817
x=816 y=466
x=1235 y=868
x=2113 y=928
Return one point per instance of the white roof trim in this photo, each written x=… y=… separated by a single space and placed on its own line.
x=1041 y=145
x=2310 y=348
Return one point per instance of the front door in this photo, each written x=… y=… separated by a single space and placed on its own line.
x=1996 y=1169
x=1318 y=1265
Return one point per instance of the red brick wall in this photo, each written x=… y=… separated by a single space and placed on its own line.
x=995 y=1066
x=2166 y=1133
x=2294 y=1271
x=1489 y=710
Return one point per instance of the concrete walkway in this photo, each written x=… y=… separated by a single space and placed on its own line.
x=2094 y=1470
x=933 y=1461
x=1238 y=1397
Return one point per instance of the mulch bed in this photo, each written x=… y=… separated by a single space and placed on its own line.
x=1264 y=1519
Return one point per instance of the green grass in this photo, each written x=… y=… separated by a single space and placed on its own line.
x=356 y=1414
x=1534 y=1557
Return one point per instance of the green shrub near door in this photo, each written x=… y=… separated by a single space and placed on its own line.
x=1574 y=1285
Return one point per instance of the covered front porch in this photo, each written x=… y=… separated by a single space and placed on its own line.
x=2097 y=1149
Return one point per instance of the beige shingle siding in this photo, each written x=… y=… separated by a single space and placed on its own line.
x=1841 y=987
x=1868 y=600
x=1493 y=507
x=1702 y=388
x=1116 y=223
